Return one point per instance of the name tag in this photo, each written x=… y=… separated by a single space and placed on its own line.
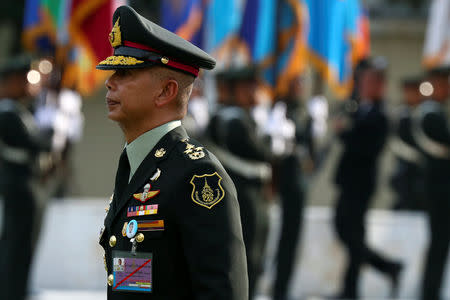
x=132 y=272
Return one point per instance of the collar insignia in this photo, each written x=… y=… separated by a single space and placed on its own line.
x=160 y=152
x=115 y=36
x=146 y=194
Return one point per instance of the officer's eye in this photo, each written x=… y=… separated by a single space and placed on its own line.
x=122 y=72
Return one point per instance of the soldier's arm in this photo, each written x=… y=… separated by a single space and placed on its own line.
x=15 y=134
x=209 y=222
x=435 y=126
x=17 y=145
x=241 y=141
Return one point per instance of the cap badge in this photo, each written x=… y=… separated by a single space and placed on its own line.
x=115 y=36
x=164 y=60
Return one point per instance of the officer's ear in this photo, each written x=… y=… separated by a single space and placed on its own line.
x=169 y=92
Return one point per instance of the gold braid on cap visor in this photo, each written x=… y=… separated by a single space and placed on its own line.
x=121 y=60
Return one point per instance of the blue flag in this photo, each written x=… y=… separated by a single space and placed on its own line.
x=331 y=40
x=258 y=29
x=184 y=18
x=291 y=52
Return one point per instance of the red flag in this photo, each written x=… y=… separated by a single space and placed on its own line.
x=89 y=25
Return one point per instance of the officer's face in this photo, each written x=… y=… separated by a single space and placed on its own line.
x=412 y=95
x=245 y=93
x=441 y=87
x=295 y=88
x=16 y=85
x=223 y=91
x=130 y=95
x=372 y=85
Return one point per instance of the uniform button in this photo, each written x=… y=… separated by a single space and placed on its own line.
x=112 y=241
x=140 y=238
x=110 y=279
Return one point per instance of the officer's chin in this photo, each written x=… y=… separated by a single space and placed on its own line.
x=114 y=115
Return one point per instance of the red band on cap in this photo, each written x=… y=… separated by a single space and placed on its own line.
x=139 y=46
x=171 y=63
x=194 y=71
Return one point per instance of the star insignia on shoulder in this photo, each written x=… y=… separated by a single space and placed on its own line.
x=193 y=152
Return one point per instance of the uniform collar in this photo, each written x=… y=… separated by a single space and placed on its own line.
x=148 y=167
x=138 y=149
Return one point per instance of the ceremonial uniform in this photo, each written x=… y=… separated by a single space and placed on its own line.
x=19 y=146
x=408 y=178
x=173 y=229
x=247 y=164
x=432 y=133
x=290 y=184
x=356 y=176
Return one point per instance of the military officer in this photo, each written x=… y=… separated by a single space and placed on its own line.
x=20 y=144
x=174 y=217
x=290 y=183
x=245 y=156
x=213 y=130
x=363 y=141
x=408 y=181
x=431 y=131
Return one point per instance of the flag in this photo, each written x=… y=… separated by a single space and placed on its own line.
x=222 y=22
x=258 y=31
x=362 y=43
x=437 y=39
x=42 y=22
x=291 y=52
x=332 y=41
x=90 y=22
x=75 y=32
x=184 y=18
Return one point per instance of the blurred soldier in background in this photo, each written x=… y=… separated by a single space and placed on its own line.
x=244 y=155
x=223 y=99
x=20 y=144
x=58 y=112
x=197 y=118
x=432 y=134
x=290 y=185
x=408 y=181
x=363 y=139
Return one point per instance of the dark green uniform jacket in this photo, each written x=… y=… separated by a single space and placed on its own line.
x=199 y=253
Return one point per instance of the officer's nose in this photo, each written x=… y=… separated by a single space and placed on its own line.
x=110 y=82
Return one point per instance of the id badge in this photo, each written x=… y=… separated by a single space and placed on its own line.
x=132 y=272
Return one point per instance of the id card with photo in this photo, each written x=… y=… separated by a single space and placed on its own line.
x=132 y=272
